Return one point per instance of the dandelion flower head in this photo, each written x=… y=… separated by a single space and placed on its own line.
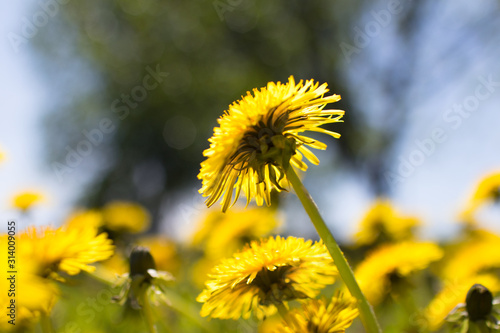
x=487 y=190
x=266 y=273
x=37 y=295
x=383 y=222
x=260 y=136
x=222 y=234
x=124 y=216
x=375 y=273
x=65 y=249
x=25 y=200
x=321 y=316
x=477 y=255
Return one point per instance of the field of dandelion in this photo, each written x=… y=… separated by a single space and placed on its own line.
x=350 y=181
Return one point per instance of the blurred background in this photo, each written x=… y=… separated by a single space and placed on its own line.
x=115 y=100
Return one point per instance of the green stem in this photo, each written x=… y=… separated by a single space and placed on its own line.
x=365 y=310
x=45 y=323
x=148 y=314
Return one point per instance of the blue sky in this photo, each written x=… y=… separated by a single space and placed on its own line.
x=435 y=188
x=24 y=99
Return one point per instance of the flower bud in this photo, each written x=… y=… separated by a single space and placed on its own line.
x=479 y=302
x=141 y=261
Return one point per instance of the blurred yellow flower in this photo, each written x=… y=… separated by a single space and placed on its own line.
x=111 y=268
x=2 y=155
x=85 y=219
x=33 y=295
x=321 y=316
x=391 y=261
x=473 y=257
x=383 y=223
x=164 y=252
x=453 y=293
x=123 y=216
x=260 y=136
x=222 y=234
x=488 y=190
x=266 y=273
x=66 y=249
x=25 y=200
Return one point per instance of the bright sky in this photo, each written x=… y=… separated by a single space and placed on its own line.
x=434 y=190
x=457 y=64
x=24 y=98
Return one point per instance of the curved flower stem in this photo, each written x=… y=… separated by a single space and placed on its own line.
x=147 y=311
x=365 y=310
x=46 y=324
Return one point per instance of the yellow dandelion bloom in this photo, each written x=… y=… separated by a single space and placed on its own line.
x=374 y=274
x=453 y=293
x=32 y=294
x=2 y=155
x=265 y=273
x=260 y=136
x=125 y=216
x=25 y=200
x=473 y=257
x=65 y=249
x=85 y=219
x=382 y=222
x=488 y=190
x=321 y=316
x=222 y=234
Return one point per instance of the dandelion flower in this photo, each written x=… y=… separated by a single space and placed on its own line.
x=125 y=216
x=382 y=222
x=475 y=256
x=399 y=260
x=320 y=316
x=264 y=274
x=260 y=136
x=85 y=219
x=66 y=249
x=222 y=234
x=488 y=190
x=37 y=296
x=25 y=200
x=33 y=296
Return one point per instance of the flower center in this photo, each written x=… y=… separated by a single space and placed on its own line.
x=275 y=286
x=265 y=144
